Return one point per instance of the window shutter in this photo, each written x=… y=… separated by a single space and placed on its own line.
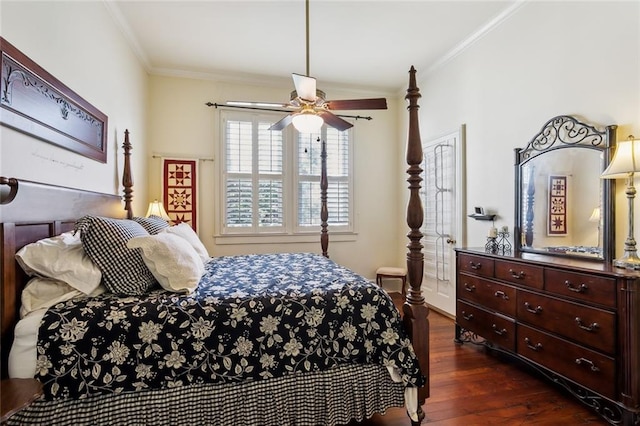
x=310 y=169
x=269 y=189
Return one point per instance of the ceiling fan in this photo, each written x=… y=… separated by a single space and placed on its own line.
x=311 y=108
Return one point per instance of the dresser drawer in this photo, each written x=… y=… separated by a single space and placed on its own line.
x=589 y=288
x=520 y=273
x=493 y=295
x=586 y=325
x=475 y=265
x=493 y=327
x=589 y=368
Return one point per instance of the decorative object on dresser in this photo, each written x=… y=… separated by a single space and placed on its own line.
x=574 y=153
x=560 y=307
x=626 y=162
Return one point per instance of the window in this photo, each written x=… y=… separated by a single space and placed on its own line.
x=271 y=179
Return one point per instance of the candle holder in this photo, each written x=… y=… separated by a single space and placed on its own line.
x=492 y=245
x=503 y=244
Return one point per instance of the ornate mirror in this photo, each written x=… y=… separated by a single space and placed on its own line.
x=562 y=207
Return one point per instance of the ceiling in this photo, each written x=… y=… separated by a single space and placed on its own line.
x=357 y=44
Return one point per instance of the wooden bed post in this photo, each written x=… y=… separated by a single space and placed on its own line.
x=415 y=310
x=127 y=178
x=324 y=212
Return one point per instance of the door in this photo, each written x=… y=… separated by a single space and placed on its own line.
x=442 y=198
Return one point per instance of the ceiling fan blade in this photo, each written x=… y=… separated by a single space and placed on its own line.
x=282 y=123
x=305 y=86
x=335 y=121
x=374 y=103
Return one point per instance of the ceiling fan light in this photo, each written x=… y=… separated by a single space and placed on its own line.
x=307 y=122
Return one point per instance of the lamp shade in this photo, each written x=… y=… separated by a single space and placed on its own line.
x=307 y=122
x=156 y=209
x=626 y=160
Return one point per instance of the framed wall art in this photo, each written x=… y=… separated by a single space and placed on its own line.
x=557 y=216
x=34 y=102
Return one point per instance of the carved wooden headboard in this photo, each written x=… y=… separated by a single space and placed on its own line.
x=30 y=211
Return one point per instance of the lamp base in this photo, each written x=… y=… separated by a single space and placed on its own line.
x=630 y=260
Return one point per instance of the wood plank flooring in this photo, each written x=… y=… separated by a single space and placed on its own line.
x=471 y=387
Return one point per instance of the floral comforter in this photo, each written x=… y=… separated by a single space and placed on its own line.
x=251 y=318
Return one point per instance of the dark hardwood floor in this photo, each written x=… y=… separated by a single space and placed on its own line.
x=472 y=387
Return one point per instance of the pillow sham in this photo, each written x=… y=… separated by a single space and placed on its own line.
x=152 y=224
x=42 y=293
x=62 y=258
x=185 y=231
x=171 y=260
x=105 y=242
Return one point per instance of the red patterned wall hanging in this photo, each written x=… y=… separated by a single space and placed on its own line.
x=557 y=217
x=179 y=190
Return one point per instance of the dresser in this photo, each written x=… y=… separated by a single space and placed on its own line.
x=575 y=321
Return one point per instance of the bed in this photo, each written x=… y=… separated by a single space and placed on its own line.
x=263 y=339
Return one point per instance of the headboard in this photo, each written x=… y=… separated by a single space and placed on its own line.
x=30 y=211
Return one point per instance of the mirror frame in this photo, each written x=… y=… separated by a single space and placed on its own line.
x=567 y=132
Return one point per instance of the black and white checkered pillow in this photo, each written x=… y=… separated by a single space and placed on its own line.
x=105 y=242
x=153 y=224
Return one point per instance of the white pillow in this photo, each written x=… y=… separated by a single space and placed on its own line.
x=62 y=258
x=185 y=231
x=171 y=260
x=45 y=292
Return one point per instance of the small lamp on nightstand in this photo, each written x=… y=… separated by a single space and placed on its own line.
x=156 y=209
x=626 y=162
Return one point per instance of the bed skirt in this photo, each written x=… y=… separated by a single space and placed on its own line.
x=330 y=397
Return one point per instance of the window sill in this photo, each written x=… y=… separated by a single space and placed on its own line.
x=283 y=238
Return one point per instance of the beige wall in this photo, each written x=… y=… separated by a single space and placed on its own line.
x=78 y=43
x=547 y=59
x=181 y=125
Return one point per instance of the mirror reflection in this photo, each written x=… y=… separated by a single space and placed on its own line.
x=563 y=206
x=562 y=202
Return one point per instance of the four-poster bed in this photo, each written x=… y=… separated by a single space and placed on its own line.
x=327 y=392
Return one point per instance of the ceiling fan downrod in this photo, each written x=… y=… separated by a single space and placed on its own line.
x=307 y=34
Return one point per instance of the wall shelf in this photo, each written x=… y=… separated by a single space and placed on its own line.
x=490 y=217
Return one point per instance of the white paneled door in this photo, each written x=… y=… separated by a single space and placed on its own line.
x=442 y=190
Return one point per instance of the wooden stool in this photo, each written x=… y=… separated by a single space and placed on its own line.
x=391 y=272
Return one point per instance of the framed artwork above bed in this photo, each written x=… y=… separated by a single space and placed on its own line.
x=34 y=102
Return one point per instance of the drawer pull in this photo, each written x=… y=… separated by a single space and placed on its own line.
x=498 y=332
x=581 y=289
x=474 y=265
x=535 y=310
x=591 y=327
x=467 y=317
x=535 y=347
x=517 y=275
x=501 y=294
x=592 y=367
x=470 y=288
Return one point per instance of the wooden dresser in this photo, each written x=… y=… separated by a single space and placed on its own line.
x=575 y=321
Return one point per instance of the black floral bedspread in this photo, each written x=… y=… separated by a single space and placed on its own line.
x=251 y=318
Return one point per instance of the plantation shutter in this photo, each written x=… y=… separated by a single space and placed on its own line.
x=254 y=175
x=309 y=174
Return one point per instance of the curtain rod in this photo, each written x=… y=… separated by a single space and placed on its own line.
x=181 y=157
